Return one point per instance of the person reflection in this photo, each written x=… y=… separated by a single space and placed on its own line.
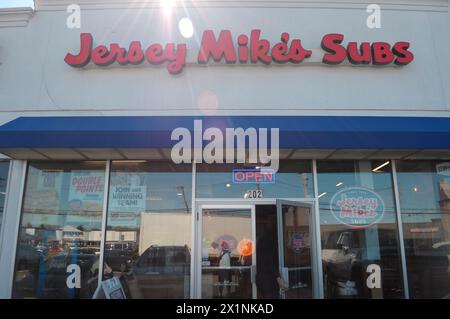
x=224 y=269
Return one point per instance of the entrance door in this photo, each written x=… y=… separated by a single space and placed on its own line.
x=295 y=239
x=227 y=251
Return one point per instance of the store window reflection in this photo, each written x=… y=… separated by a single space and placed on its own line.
x=360 y=251
x=424 y=191
x=227 y=253
x=292 y=180
x=148 y=238
x=4 y=168
x=59 y=237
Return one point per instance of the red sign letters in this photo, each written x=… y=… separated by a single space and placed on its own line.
x=251 y=49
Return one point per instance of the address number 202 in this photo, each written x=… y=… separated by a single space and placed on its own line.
x=253 y=194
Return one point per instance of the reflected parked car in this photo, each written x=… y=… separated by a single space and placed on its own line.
x=444 y=249
x=28 y=257
x=49 y=277
x=160 y=272
x=345 y=257
x=428 y=269
x=120 y=255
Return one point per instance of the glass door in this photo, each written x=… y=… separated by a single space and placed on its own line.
x=227 y=252
x=295 y=238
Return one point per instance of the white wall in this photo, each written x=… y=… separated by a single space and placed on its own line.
x=34 y=79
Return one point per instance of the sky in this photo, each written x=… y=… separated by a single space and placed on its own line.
x=15 y=3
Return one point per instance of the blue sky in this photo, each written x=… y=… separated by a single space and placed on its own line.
x=15 y=3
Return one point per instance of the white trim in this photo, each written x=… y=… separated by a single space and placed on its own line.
x=280 y=238
x=4 y=205
x=15 y=17
x=398 y=5
x=312 y=235
x=253 y=201
x=254 y=266
x=319 y=280
x=194 y=231
x=400 y=230
x=104 y=220
x=198 y=251
x=11 y=223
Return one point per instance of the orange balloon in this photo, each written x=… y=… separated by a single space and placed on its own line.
x=245 y=247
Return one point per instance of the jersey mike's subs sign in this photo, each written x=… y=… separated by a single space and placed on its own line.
x=244 y=49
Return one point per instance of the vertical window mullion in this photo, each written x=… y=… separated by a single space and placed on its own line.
x=104 y=220
x=194 y=259
x=400 y=229
x=317 y=232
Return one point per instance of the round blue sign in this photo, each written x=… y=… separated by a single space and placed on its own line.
x=357 y=207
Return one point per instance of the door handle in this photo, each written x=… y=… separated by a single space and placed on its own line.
x=285 y=275
x=253 y=274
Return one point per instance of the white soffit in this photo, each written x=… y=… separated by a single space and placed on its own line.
x=23 y=153
x=285 y=153
x=166 y=153
x=392 y=154
x=354 y=154
x=60 y=153
x=430 y=154
x=101 y=153
x=311 y=153
x=139 y=153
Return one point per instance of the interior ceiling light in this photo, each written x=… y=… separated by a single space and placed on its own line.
x=376 y=169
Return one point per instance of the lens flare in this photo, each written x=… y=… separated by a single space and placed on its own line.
x=167 y=5
x=186 y=27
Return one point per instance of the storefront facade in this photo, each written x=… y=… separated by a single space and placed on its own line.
x=127 y=150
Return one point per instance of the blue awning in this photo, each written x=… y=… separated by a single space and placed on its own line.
x=350 y=132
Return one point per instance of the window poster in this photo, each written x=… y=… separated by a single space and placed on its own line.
x=49 y=180
x=44 y=194
x=127 y=200
x=86 y=191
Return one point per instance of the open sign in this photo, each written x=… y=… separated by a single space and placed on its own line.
x=254 y=176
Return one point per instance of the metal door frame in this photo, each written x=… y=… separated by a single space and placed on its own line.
x=201 y=203
x=197 y=260
x=312 y=237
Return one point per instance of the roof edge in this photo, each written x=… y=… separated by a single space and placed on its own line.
x=15 y=17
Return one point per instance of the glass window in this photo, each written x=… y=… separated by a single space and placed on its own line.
x=60 y=231
x=293 y=180
x=424 y=191
x=360 y=253
x=148 y=239
x=4 y=169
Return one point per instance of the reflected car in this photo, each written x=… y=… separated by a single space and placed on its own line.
x=345 y=260
x=444 y=249
x=28 y=257
x=160 y=272
x=120 y=255
x=49 y=277
x=428 y=269
x=88 y=261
